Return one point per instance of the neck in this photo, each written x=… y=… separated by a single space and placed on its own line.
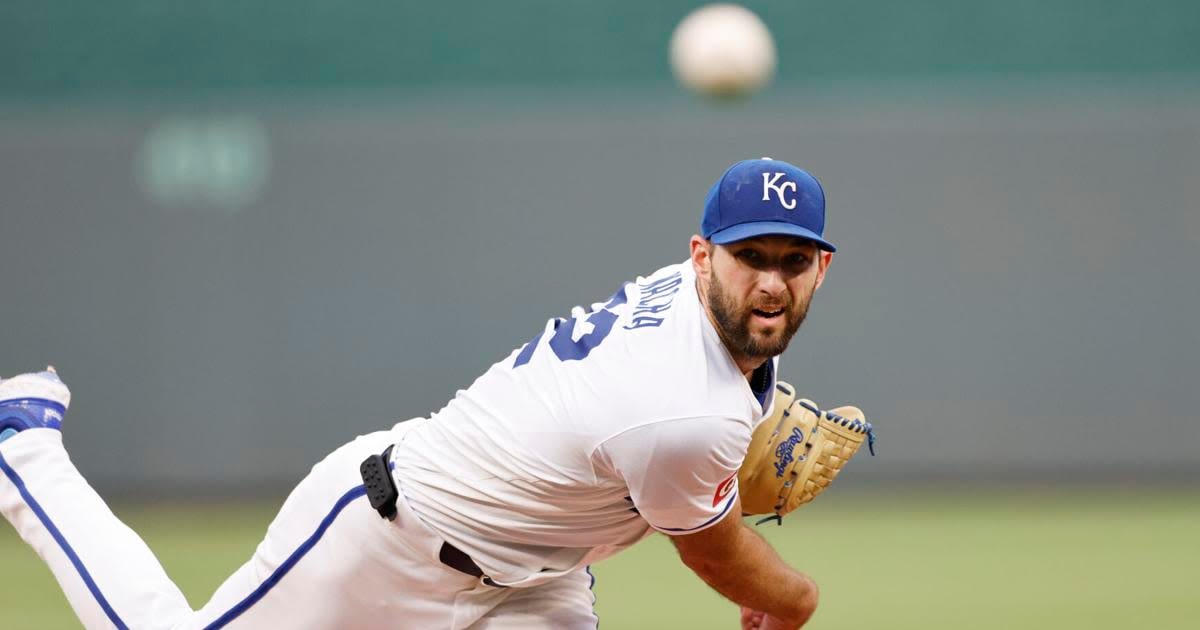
x=744 y=363
x=750 y=366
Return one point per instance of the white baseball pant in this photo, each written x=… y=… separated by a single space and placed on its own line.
x=328 y=559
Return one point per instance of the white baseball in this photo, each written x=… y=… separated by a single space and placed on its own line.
x=723 y=50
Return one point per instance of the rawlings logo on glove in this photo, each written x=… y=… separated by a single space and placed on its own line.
x=784 y=454
x=797 y=451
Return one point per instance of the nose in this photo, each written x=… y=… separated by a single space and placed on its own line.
x=771 y=281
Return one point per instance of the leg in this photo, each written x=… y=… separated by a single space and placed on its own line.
x=330 y=561
x=107 y=572
x=566 y=603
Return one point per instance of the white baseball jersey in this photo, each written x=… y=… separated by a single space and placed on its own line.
x=628 y=417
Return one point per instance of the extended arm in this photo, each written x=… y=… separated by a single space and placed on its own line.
x=743 y=567
x=682 y=477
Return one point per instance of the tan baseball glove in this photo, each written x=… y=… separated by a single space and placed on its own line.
x=797 y=451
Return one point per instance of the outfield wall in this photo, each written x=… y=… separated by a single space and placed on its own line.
x=233 y=289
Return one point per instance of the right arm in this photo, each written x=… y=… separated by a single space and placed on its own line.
x=743 y=567
x=682 y=477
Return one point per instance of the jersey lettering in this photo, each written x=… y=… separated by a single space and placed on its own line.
x=574 y=340
x=656 y=297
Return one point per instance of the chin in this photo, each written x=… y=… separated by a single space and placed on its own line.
x=769 y=337
x=770 y=346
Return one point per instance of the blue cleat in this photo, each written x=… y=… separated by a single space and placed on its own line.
x=32 y=401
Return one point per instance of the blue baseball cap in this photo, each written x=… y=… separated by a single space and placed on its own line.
x=762 y=197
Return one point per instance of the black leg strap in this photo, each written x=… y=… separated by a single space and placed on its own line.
x=381 y=488
x=382 y=493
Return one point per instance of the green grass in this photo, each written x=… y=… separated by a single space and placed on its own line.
x=963 y=560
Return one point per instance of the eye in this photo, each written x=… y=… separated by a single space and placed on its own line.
x=748 y=255
x=797 y=261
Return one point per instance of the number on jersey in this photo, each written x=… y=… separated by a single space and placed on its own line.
x=563 y=342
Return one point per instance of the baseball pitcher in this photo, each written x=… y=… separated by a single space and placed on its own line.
x=655 y=409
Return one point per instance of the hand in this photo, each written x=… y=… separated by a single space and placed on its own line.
x=751 y=619
x=754 y=620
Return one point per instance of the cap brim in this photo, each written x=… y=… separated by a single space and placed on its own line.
x=743 y=231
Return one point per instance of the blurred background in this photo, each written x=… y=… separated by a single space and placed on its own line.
x=247 y=232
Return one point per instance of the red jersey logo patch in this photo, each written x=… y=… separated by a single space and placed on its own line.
x=724 y=488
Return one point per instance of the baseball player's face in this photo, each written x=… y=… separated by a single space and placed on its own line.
x=758 y=291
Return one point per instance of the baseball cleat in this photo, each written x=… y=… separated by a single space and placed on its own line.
x=32 y=401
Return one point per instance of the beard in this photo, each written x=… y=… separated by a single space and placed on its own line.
x=733 y=322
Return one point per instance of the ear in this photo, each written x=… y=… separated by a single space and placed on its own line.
x=824 y=259
x=701 y=254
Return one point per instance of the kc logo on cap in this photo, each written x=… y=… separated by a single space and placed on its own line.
x=770 y=184
x=765 y=197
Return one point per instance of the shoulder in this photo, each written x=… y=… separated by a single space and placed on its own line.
x=665 y=361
